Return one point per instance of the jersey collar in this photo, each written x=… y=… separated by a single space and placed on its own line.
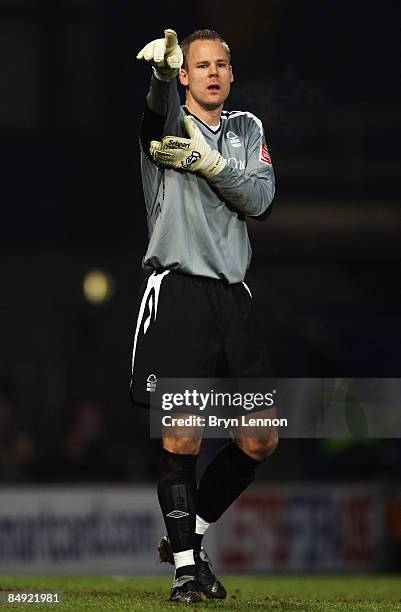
x=187 y=112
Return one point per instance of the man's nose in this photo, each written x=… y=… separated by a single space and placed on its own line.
x=212 y=69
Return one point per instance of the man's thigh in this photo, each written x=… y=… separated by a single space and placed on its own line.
x=176 y=336
x=244 y=341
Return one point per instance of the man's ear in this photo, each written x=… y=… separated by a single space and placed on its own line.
x=231 y=75
x=183 y=76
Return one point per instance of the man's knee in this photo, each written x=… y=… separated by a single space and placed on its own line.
x=182 y=446
x=259 y=448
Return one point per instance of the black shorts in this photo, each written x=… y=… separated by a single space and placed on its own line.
x=194 y=327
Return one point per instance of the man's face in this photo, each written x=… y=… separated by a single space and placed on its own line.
x=209 y=74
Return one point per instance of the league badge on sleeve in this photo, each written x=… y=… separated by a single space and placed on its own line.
x=264 y=155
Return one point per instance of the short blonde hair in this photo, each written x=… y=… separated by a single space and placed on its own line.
x=202 y=35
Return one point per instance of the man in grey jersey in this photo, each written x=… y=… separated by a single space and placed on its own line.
x=204 y=171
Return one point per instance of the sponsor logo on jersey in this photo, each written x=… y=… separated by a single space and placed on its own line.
x=177 y=514
x=234 y=139
x=264 y=154
x=191 y=159
x=178 y=144
x=236 y=163
x=151 y=383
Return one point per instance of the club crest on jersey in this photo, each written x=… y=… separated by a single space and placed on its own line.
x=264 y=155
x=234 y=139
x=191 y=159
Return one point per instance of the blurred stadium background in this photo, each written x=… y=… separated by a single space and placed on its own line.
x=76 y=464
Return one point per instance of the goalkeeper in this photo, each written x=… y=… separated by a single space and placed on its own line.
x=204 y=172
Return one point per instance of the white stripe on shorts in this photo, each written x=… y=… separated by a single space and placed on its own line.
x=154 y=282
x=247 y=288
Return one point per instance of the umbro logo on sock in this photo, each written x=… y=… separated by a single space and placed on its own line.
x=177 y=514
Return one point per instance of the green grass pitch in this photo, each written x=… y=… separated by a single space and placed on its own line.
x=323 y=593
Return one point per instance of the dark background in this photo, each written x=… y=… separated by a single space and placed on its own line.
x=324 y=78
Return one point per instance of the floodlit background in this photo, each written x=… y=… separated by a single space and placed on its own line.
x=325 y=274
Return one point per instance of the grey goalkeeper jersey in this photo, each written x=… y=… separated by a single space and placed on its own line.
x=198 y=226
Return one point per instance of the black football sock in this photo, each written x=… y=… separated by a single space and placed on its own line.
x=177 y=495
x=198 y=541
x=227 y=475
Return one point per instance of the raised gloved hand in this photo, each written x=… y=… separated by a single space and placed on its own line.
x=193 y=154
x=164 y=54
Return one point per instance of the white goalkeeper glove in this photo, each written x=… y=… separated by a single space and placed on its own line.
x=193 y=154
x=164 y=54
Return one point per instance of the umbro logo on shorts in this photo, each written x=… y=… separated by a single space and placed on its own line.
x=177 y=514
x=151 y=383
